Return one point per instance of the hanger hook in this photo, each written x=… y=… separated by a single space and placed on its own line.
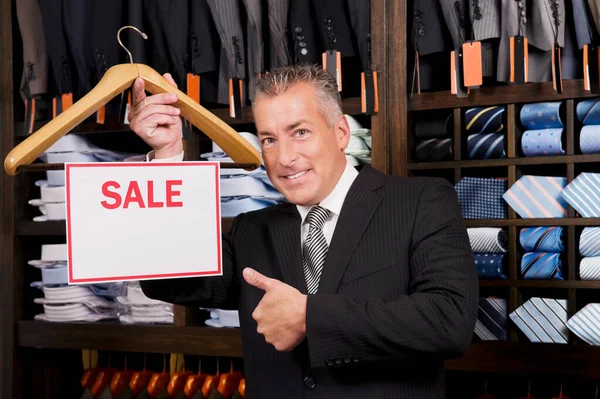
x=121 y=43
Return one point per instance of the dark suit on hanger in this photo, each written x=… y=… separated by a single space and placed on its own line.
x=485 y=24
x=306 y=46
x=34 y=81
x=106 y=22
x=360 y=18
x=540 y=34
x=278 y=29
x=77 y=16
x=226 y=14
x=254 y=35
x=133 y=40
x=334 y=14
x=398 y=293
x=204 y=50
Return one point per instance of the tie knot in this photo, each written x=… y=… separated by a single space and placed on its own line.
x=317 y=216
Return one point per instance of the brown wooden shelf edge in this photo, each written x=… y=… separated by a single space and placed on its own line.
x=496 y=95
x=131 y=338
x=490 y=163
x=350 y=106
x=525 y=358
x=59 y=228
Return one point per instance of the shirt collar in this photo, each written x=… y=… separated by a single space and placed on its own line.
x=334 y=201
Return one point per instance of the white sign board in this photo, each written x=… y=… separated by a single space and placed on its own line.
x=140 y=221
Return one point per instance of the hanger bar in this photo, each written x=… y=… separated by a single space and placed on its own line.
x=41 y=167
x=116 y=80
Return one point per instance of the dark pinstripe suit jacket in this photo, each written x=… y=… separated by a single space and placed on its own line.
x=397 y=296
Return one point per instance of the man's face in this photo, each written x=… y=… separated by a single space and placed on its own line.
x=304 y=158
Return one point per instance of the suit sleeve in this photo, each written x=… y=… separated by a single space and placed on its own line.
x=210 y=292
x=435 y=320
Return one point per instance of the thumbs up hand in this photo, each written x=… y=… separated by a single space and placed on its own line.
x=281 y=314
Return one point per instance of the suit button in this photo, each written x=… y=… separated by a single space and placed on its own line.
x=298 y=29
x=338 y=361
x=329 y=362
x=347 y=359
x=355 y=359
x=309 y=382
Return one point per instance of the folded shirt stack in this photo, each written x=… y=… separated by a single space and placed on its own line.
x=69 y=148
x=242 y=190
x=359 y=147
x=137 y=308
x=222 y=318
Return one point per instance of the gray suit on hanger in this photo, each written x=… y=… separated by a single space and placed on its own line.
x=585 y=30
x=540 y=33
x=595 y=11
x=226 y=14
x=485 y=23
x=255 y=40
x=34 y=80
x=278 y=26
x=510 y=15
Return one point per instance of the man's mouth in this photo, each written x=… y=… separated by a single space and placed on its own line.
x=297 y=175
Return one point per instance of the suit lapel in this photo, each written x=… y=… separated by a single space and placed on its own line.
x=285 y=236
x=359 y=206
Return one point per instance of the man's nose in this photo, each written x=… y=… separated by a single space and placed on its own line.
x=287 y=154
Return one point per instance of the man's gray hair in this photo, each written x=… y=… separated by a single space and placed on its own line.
x=279 y=80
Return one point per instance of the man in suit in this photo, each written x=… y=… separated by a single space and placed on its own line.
x=361 y=286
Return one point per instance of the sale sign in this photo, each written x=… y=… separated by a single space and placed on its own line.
x=140 y=221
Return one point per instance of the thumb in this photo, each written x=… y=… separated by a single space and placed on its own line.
x=170 y=79
x=139 y=93
x=257 y=280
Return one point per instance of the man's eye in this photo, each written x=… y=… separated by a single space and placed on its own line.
x=301 y=132
x=268 y=140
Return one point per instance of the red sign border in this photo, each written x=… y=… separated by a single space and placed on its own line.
x=68 y=167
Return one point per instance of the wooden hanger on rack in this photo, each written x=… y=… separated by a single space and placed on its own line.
x=228 y=382
x=195 y=382
x=116 y=80
x=139 y=380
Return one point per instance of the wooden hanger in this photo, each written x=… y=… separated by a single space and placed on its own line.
x=194 y=382
x=242 y=388
x=159 y=381
x=178 y=379
x=120 y=380
x=116 y=80
x=102 y=380
x=211 y=382
x=139 y=380
x=228 y=382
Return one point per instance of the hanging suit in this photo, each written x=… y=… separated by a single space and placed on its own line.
x=34 y=81
x=226 y=14
x=512 y=18
x=594 y=6
x=333 y=14
x=204 y=50
x=133 y=40
x=255 y=41
x=360 y=17
x=306 y=46
x=485 y=23
x=278 y=29
x=77 y=16
x=585 y=30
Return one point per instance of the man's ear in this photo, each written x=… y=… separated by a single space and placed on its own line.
x=342 y=131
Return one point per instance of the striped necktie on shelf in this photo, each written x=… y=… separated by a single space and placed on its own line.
x=434 y=150
x=492 y=319
x=583 y=194
x=542 y=239
x=589 y=268
x=586 y=324
x=537 y=197
x=488 y=240
x=588 y=112
x=486 y=146
x=543 y=320
x=541 y=266
x=484 y=119
x=589 y=242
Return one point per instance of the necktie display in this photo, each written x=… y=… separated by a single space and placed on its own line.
x=484 y=119
x=481 y=198
x=542 y=320
x=542 y=142
x=541 y=266
x=544 y=115
x=435 y=125
x=488 y=240
x=490 y=266
x=583 y=194
x=492 y=318
x=434 y=150
x=538 y=197
x=542 y=239
x=589 y=242
x=586 y=324
x=486 y=146
x=315 y=248
x=588 y=113
x=589 y=268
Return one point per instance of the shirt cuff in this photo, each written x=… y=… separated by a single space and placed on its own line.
x=176 y=158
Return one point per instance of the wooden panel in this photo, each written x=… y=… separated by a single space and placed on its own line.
x=395 y=34
x=132 y=338
x=496 y=95
x=489 y=163
x=524 y=358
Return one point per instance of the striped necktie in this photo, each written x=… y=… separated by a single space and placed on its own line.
x=586 y=324
x=588 y=111
x=542 y=142
x=545 y=115
x=541 y=266
x=542 y=239
x=434 y=150
x=589 y=242
x=486 y=146
x=488 y=240
x=491 y=319
x=589 y=268
x=484 y=119
x=481 y=198
x=538 y=197
x=543 y=320
x=315 y=248
x=583 y=194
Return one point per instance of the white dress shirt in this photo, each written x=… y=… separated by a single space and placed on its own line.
x=333 y=202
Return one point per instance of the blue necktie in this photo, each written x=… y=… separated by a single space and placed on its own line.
x=542 y=142
x=434 y=150
x=490 y=266
x=538 y=197
x=588 y=111
x=484 y=119
x=583 y=194
x=586 y=324
x=589 y=242
x=589 y=139
x=541 y=266
x=486 y=146
x=481 y=198
x=542 y=239
x=544 y=115
x=543 y=320
x=492 y=318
